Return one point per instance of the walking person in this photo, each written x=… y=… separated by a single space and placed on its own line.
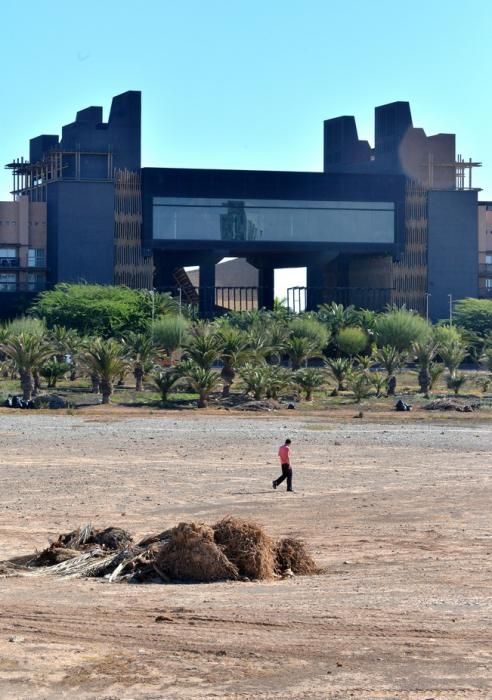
x=284 y=456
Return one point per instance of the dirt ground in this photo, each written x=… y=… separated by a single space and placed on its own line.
x=398 y=513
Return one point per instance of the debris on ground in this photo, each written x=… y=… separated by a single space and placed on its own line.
x=292 y=555
x=247 y=545
x=452 y=405
x=18 y=402
x=263 y=405
x=402 y=406
x=243 y=402
x=231 y=550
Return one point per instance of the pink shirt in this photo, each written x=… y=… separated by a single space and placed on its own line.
x=284 y=454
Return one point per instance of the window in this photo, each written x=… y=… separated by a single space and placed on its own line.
x=234 y=220
x=8 y=253
x=488 y=283
x=8 y=257
x=35 y=281
x=8 y=281
x=488 y=259
x=36 y=257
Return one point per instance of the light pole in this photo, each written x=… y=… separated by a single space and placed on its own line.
x=427 y=295
x=450 y=297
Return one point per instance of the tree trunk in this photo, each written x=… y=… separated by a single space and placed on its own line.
x=139 y=375
x=309 y=394
x=203 y=400
x=424 y=381
x=227 y=376
x=96 y=383
x=27 y=385
x=106 y=390
x=37 y=381
x=391 y=386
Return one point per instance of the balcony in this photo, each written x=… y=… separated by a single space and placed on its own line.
x=9 y=262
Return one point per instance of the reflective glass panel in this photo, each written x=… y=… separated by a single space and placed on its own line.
x=184 y=218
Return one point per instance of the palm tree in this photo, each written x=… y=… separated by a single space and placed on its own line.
x=260 y=345
x=277 y=334
x=165 y=379
x=233 y=352
x=28 y=352
x=53 y=370
x=309 y=379
x=359 y=385
x=255 y=379
x=456 y=381
x=425 y=351
x=203 y=347
x=106 y=359
x=336 y=316
x=202 y=379
x=339 y=368
x=67 y=343
x=452 y=354
x=278 y=380
x=378 y=380
x=392 y=360
x=300 y=349
x=364 y=362
x=435 y=371
x=141 y=354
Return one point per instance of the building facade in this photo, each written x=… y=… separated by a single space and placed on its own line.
x=391 y=224
x=485 y=250
x=439 y=259
x=23 y=242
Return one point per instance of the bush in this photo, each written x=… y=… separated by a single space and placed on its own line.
x=93 y=309
x=400 y=328
x=474 y=315
x=305 y=327
x=351 y=340
x=170 y=333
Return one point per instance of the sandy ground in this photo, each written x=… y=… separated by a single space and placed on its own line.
x=398 y=514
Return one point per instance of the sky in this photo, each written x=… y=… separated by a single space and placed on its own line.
x=246 y=84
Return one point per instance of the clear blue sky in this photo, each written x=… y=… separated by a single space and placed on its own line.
x=246 y=83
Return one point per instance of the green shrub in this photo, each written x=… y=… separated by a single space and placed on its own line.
x=93 y=309
x=399 y=328
x=351 y=340
x=474 y=315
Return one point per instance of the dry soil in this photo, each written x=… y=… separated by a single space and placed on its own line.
x=397 y=513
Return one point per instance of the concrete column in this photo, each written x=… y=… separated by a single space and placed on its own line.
x=315 y=283
x=266 y=287
x=207 y=289
x=163 y=273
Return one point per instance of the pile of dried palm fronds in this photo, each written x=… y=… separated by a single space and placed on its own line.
x=232 y=549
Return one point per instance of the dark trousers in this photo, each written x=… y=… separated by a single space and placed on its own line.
x=286 y=474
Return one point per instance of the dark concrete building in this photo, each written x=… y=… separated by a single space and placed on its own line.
x=273 y=220
x=389 y=224
x=439 y=257
x=79 y=176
